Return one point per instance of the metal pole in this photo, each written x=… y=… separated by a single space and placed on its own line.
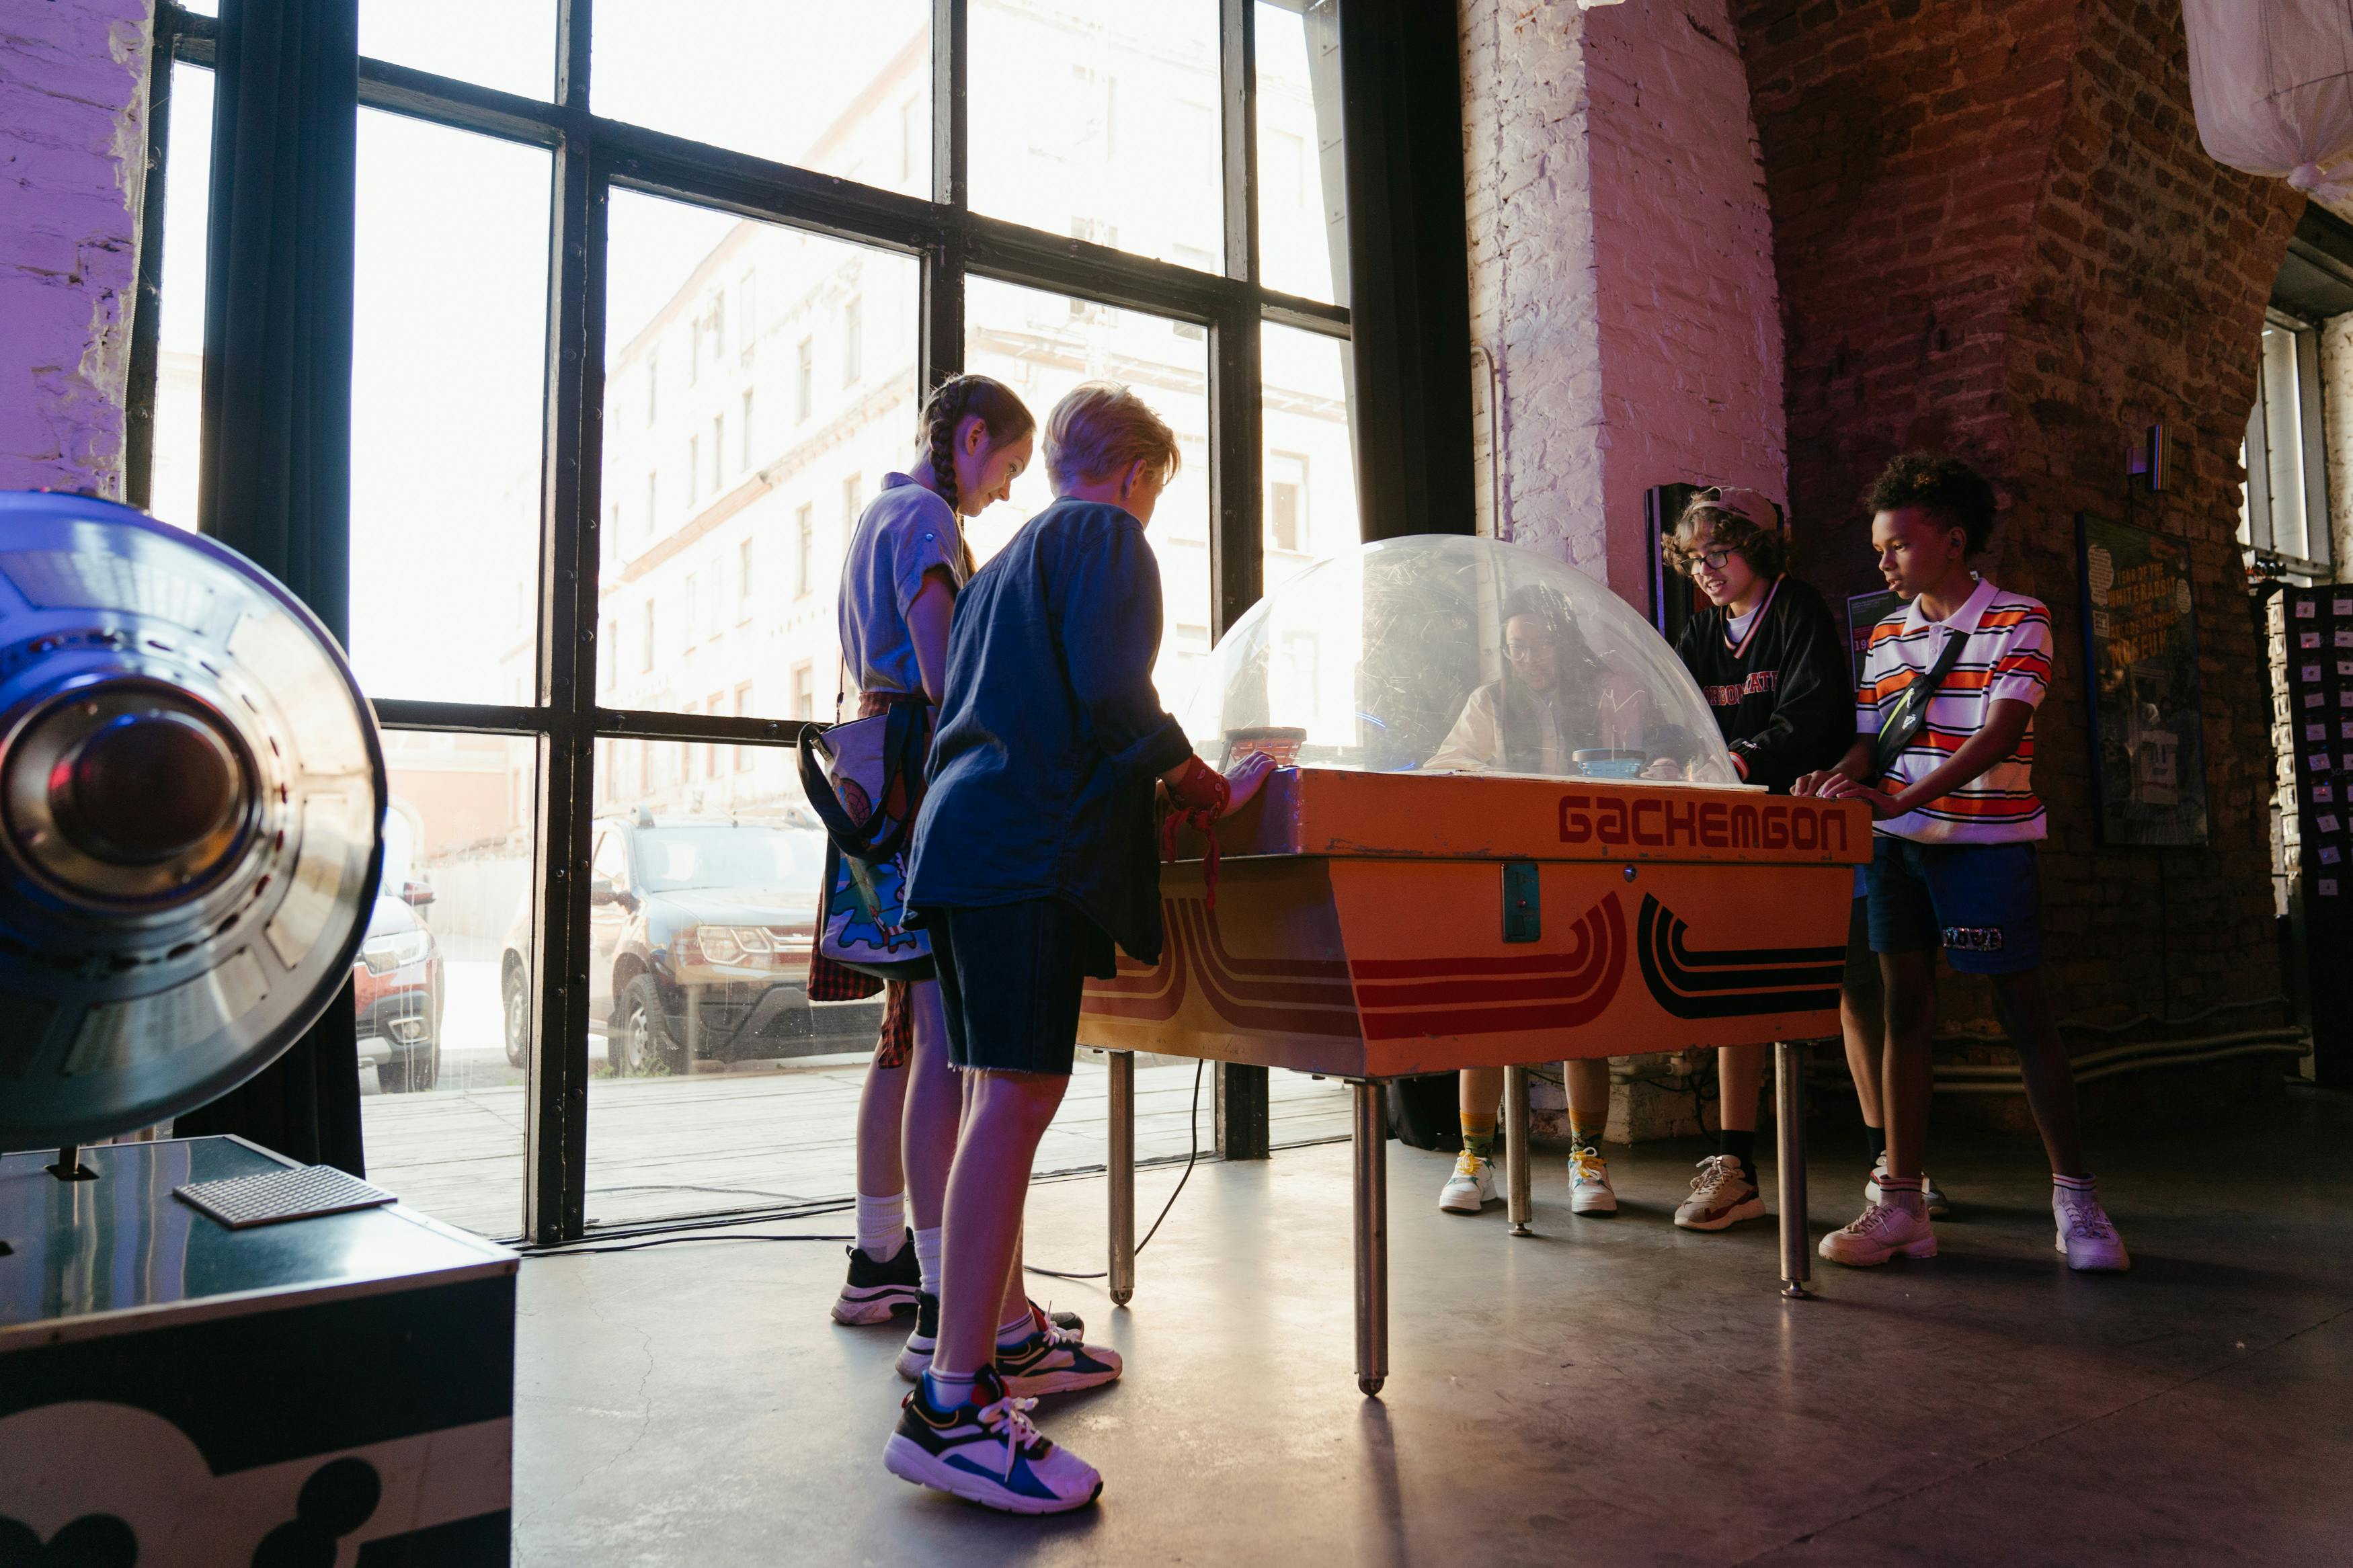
x=1372 y=1238
x=1789 y=1146
x=1121 y=1166
x=1515 y=1149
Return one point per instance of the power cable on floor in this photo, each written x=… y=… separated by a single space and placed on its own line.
x=586 y=1248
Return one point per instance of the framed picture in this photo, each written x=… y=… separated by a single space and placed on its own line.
x=1864 y=611
x=2140 y=668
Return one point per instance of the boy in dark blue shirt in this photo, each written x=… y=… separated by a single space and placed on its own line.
x=1034 y=854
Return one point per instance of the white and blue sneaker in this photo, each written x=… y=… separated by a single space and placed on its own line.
x=1053 y=1359
x=1471 y=1187
x=985 y=1451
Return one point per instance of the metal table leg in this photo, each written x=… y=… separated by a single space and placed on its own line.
x=1789 y=1144
x=1372 y=1141
x=1121 y=1165
x=1515 y=1149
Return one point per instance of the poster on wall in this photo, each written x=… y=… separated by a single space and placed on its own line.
x=2140 y=660
x=1864 y=611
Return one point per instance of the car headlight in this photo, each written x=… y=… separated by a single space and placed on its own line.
x=382 y=954
x=734 y=944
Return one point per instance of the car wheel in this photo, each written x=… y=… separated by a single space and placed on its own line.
x=518 y=1017
x=641 y=1043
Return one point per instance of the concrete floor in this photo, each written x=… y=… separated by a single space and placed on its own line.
x=1609 y=1392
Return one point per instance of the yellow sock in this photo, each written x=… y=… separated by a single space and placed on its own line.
x=1479 y=1133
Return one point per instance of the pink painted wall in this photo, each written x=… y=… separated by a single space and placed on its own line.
x=73 y=149
x=1622 y=260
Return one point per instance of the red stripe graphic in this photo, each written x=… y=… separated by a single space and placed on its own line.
x=1572 y=988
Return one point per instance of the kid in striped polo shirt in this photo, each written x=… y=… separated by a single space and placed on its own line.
x=1954 y=861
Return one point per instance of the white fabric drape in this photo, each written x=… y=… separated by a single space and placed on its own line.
x=2271 y=82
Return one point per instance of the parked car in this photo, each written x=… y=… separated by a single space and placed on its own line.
x=699 y=944
x=398 y=991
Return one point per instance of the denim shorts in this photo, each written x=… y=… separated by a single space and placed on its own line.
x=1010 y=978
x=1982 y=903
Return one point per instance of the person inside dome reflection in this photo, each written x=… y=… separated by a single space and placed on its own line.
x=1555 y=699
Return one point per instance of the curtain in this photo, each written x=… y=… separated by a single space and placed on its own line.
x=277 y=422
x=1409 y=267
x=2272 y=83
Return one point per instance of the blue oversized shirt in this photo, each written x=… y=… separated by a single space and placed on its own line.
x=1051 y=733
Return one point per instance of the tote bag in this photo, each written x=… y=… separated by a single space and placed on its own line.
x=865 y=781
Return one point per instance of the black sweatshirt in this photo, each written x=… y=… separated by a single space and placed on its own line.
x=1785 y=698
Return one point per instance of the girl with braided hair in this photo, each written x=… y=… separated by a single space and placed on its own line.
x=906 y=561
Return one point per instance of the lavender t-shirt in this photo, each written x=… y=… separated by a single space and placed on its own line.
x=903 y=533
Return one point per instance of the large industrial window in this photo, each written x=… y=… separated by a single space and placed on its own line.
x=2285 y=524
x=561 y=490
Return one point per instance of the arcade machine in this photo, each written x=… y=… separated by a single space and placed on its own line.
x=208 y=1354
x=1509 y=832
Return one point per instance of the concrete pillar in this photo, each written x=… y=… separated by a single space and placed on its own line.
x=1621 y=272
x=73 y=160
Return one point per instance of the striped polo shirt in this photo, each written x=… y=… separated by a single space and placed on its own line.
x=2008 y=654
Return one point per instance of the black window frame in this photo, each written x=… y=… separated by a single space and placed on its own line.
x=592 y=157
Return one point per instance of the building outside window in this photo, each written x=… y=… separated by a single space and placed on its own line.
x=2283 y=524
x=1050 y=149
x=804 y=550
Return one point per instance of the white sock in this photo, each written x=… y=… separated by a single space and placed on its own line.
x=2074 y=1184
x=947 y=1389
x=927 y=1258
x=1016 y=1331
x=881 y=1224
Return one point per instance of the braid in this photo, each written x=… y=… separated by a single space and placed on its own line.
x=941 y=421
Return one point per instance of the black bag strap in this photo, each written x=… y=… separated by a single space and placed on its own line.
x=1910 y=715
x=882 y=835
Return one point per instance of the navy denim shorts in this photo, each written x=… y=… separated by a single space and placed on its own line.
x=1982 y=903
x=1010 y=977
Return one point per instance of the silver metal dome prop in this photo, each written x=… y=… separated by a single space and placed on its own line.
x=191 y=801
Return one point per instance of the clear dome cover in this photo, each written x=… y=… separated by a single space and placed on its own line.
x=1446 y=654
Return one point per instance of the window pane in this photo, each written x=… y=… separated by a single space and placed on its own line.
x=843 y=89
x=442 y=983
x=448 y=324
x=1310 y=460
x=2283 y=419
x=509 y=45
x=1042 y=345
x=1303 y=195
x=714 y=319
x=1098 y=119
x=704 y=871
x=180 y=334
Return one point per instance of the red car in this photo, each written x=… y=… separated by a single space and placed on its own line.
x=397 y=992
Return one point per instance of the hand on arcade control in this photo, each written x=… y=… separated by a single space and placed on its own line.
x=1244 y=779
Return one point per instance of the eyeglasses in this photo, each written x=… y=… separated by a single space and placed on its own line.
x=1714 y=555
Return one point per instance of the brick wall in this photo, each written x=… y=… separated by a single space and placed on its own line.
x=1997 y=235
x=1622 y=268
x=73 y=150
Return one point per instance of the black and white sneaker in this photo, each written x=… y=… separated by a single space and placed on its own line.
x=915 y=1359
x=985 y=1451
x=1053 y=1359
x=877 y=1291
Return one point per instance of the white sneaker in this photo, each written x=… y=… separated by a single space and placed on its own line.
x=1720 y=1197
x=1471 y=1187
x=1882 y=1231
x=1588 y=1185
x=1935 y=1199
x=2085 y=1231
x=985 y=1451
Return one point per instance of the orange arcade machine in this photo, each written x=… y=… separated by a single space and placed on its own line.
x=1509 y=834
